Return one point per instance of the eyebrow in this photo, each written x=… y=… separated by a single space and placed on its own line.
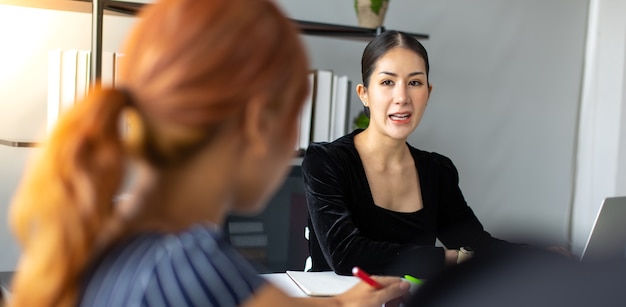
x=395 y=75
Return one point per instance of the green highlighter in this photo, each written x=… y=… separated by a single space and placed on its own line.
x=413 y=280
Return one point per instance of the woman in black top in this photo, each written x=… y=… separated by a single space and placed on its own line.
x=374 y=200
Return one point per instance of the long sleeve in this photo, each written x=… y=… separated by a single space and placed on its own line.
x=336 y=191
x=457 y=224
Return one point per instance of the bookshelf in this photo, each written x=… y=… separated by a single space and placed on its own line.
x=98 y=7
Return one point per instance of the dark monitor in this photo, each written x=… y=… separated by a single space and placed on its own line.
x=273 y=240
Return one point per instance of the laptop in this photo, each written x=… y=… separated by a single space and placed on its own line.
x=607 y=240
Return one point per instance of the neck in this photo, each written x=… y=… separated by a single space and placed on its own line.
x=378 y=147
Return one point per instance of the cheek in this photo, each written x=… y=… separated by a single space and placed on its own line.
x=421 y=102
x=265 y=177
x=379 y=104
x=422 y=95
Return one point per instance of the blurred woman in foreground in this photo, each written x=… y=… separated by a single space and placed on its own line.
x=211 y=91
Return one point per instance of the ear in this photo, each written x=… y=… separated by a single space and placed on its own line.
x=133 y=131
x=430 y=89
x=361 y=90
x=256 y=126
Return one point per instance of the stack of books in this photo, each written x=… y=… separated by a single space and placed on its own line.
x=325 y=115
x=68 y=78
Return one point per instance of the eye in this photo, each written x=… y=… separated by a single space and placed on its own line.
x=415 y=83
x=386 y=82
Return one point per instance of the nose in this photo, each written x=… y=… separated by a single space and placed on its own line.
x=400 y=94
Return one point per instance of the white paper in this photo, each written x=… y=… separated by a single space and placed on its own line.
x=322 y=283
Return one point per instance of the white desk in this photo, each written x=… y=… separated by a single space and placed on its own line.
x=283 y=282
x=328 y=283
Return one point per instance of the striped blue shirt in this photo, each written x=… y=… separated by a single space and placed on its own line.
x=192 y=268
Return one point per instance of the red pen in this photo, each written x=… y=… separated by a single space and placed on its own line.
x=358 y=272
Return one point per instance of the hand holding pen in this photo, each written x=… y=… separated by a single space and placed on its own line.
x=356 y=271
x=374 y=291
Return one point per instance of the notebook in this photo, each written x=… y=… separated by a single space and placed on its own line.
x=326 y=283
x=607 y=239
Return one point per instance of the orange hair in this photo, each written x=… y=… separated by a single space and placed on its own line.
x=188 y=64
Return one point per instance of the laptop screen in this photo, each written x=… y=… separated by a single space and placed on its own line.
x=607 y=240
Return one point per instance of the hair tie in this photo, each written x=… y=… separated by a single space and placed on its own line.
x=128 y=96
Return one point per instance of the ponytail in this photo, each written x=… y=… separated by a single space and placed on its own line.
x=65 y=201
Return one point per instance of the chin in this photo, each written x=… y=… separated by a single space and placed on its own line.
x=400 y=133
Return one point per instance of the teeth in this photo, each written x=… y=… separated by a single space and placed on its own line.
x=396 y=116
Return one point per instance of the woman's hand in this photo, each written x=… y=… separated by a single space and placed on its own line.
x=561 y=251
x=452 y=255
x=394 y=291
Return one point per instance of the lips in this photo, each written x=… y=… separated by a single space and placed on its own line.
x=400 y=116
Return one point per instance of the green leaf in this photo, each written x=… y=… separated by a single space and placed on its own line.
x=377 y=5
x=361 y=121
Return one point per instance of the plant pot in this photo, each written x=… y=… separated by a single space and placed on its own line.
x=371 y=13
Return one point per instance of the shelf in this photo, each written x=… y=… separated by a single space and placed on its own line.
x=306 y=27
x=128 y=8
x=15 y=143
x=342 y=31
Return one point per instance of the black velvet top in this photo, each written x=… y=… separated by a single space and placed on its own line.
x=353 y=231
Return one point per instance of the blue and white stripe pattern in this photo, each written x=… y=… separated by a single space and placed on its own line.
x=192 y=268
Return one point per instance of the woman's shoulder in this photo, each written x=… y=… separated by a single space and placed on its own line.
x=433 y=158
x=340 y=148
x=184 y=260
x=345 y=142
x=201 y=239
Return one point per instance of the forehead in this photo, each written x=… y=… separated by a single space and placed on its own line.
x=399 y=58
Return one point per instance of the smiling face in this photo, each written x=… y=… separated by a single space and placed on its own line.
x=397 y=94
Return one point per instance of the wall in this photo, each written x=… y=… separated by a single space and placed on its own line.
x=27 y=34
x=601 y=161
x=506 y=77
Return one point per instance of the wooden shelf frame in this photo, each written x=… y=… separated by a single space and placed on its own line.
x=18 y=143
x=306 y=27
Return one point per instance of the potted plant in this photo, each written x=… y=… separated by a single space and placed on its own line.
x=362 y=120
x=371 y=13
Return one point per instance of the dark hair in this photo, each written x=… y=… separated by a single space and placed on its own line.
x=385 y=42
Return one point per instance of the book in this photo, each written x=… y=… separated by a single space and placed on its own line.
x=82 y=74
x=68 y=79
x=108 y=69
x=54 y=88
x=119 y=59
x=326 y=283
x=322 y=105
x=306 y=114
x=333 y=110
x=341 y=107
